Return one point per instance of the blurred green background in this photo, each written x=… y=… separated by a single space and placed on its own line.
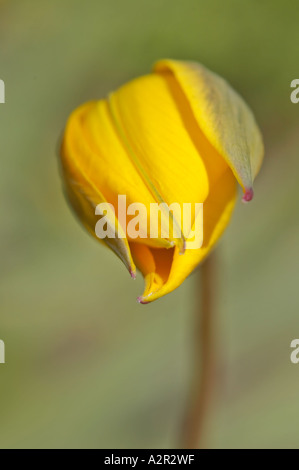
x=86 y=365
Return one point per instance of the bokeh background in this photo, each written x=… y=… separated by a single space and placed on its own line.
x=86 y=365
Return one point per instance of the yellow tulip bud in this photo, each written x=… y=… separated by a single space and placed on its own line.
x=180 y=135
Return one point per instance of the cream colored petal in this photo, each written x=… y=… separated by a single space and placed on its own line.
x=223 y=116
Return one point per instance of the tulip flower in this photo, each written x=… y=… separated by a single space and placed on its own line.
x=181 y=135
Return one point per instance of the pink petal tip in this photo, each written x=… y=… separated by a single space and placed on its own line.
x=248 y=195
x=132 y=274
x=141 y=300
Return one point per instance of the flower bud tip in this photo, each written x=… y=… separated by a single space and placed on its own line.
x=132 y=274
x=248 y=195
x=141 y=300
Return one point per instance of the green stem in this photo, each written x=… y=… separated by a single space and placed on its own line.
x=203 y=366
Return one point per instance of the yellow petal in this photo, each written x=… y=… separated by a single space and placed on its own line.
x=165 y=270
x=223 y=116
x=175 y=235
x=160 y=130
x=81 y=186
x=102 y=154
x=97 y=169
x=155 y=265
x=84 y=200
